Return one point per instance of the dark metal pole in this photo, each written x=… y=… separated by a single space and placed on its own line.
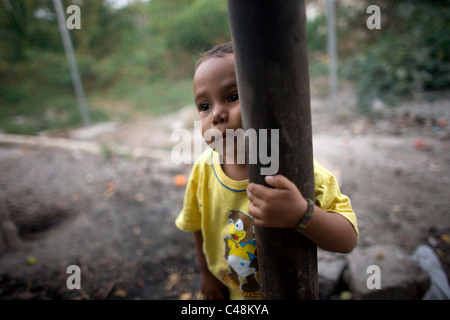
x=269 y=40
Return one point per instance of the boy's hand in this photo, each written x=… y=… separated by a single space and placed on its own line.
x=279 y=207
x=212 y=288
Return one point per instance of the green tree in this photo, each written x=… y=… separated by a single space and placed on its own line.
x=409 y=55
x=17 y=21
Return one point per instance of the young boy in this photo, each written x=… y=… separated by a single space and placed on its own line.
x=221 y=207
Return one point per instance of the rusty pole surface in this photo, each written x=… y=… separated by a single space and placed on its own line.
x=270 y=46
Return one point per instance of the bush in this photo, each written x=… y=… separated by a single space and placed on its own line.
x=199 y=27
x=409 y=56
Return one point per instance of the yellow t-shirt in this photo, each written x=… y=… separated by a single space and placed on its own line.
x=218 y=206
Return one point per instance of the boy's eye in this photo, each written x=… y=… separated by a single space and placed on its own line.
x=233 y=98
x=204 y=107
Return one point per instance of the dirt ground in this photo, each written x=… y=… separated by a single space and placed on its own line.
x=112 y=214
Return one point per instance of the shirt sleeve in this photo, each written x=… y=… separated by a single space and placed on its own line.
x=189 y=219
x=329 y=198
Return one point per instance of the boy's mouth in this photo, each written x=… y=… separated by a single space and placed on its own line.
x=223 y=136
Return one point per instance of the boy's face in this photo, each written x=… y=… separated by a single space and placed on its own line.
x=216 y=96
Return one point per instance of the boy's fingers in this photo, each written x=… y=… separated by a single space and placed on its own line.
x=260 y=223
x=256 y=190
x=278 y=181
x=249 y=195
x=258 y=203
x=254 y=211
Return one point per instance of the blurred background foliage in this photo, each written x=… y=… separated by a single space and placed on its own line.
x=138 y=59
x=407 y=58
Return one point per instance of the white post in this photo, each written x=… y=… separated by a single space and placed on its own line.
x=68 y=47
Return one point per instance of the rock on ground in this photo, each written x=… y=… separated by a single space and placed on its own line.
x=385 y=272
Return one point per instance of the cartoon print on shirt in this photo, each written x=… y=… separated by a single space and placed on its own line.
x=240 y=252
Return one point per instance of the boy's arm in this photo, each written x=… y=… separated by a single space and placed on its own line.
x=198 y=238
x=212 y=288
x=283 y=206
x=331 y=231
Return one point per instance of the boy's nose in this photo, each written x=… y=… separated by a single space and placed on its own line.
x=220 y=114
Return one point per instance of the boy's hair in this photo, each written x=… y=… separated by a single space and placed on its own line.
x=218 y=51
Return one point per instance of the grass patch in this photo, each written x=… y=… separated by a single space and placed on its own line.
x=156 y=98
x=33 y=109
x=42 y=110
